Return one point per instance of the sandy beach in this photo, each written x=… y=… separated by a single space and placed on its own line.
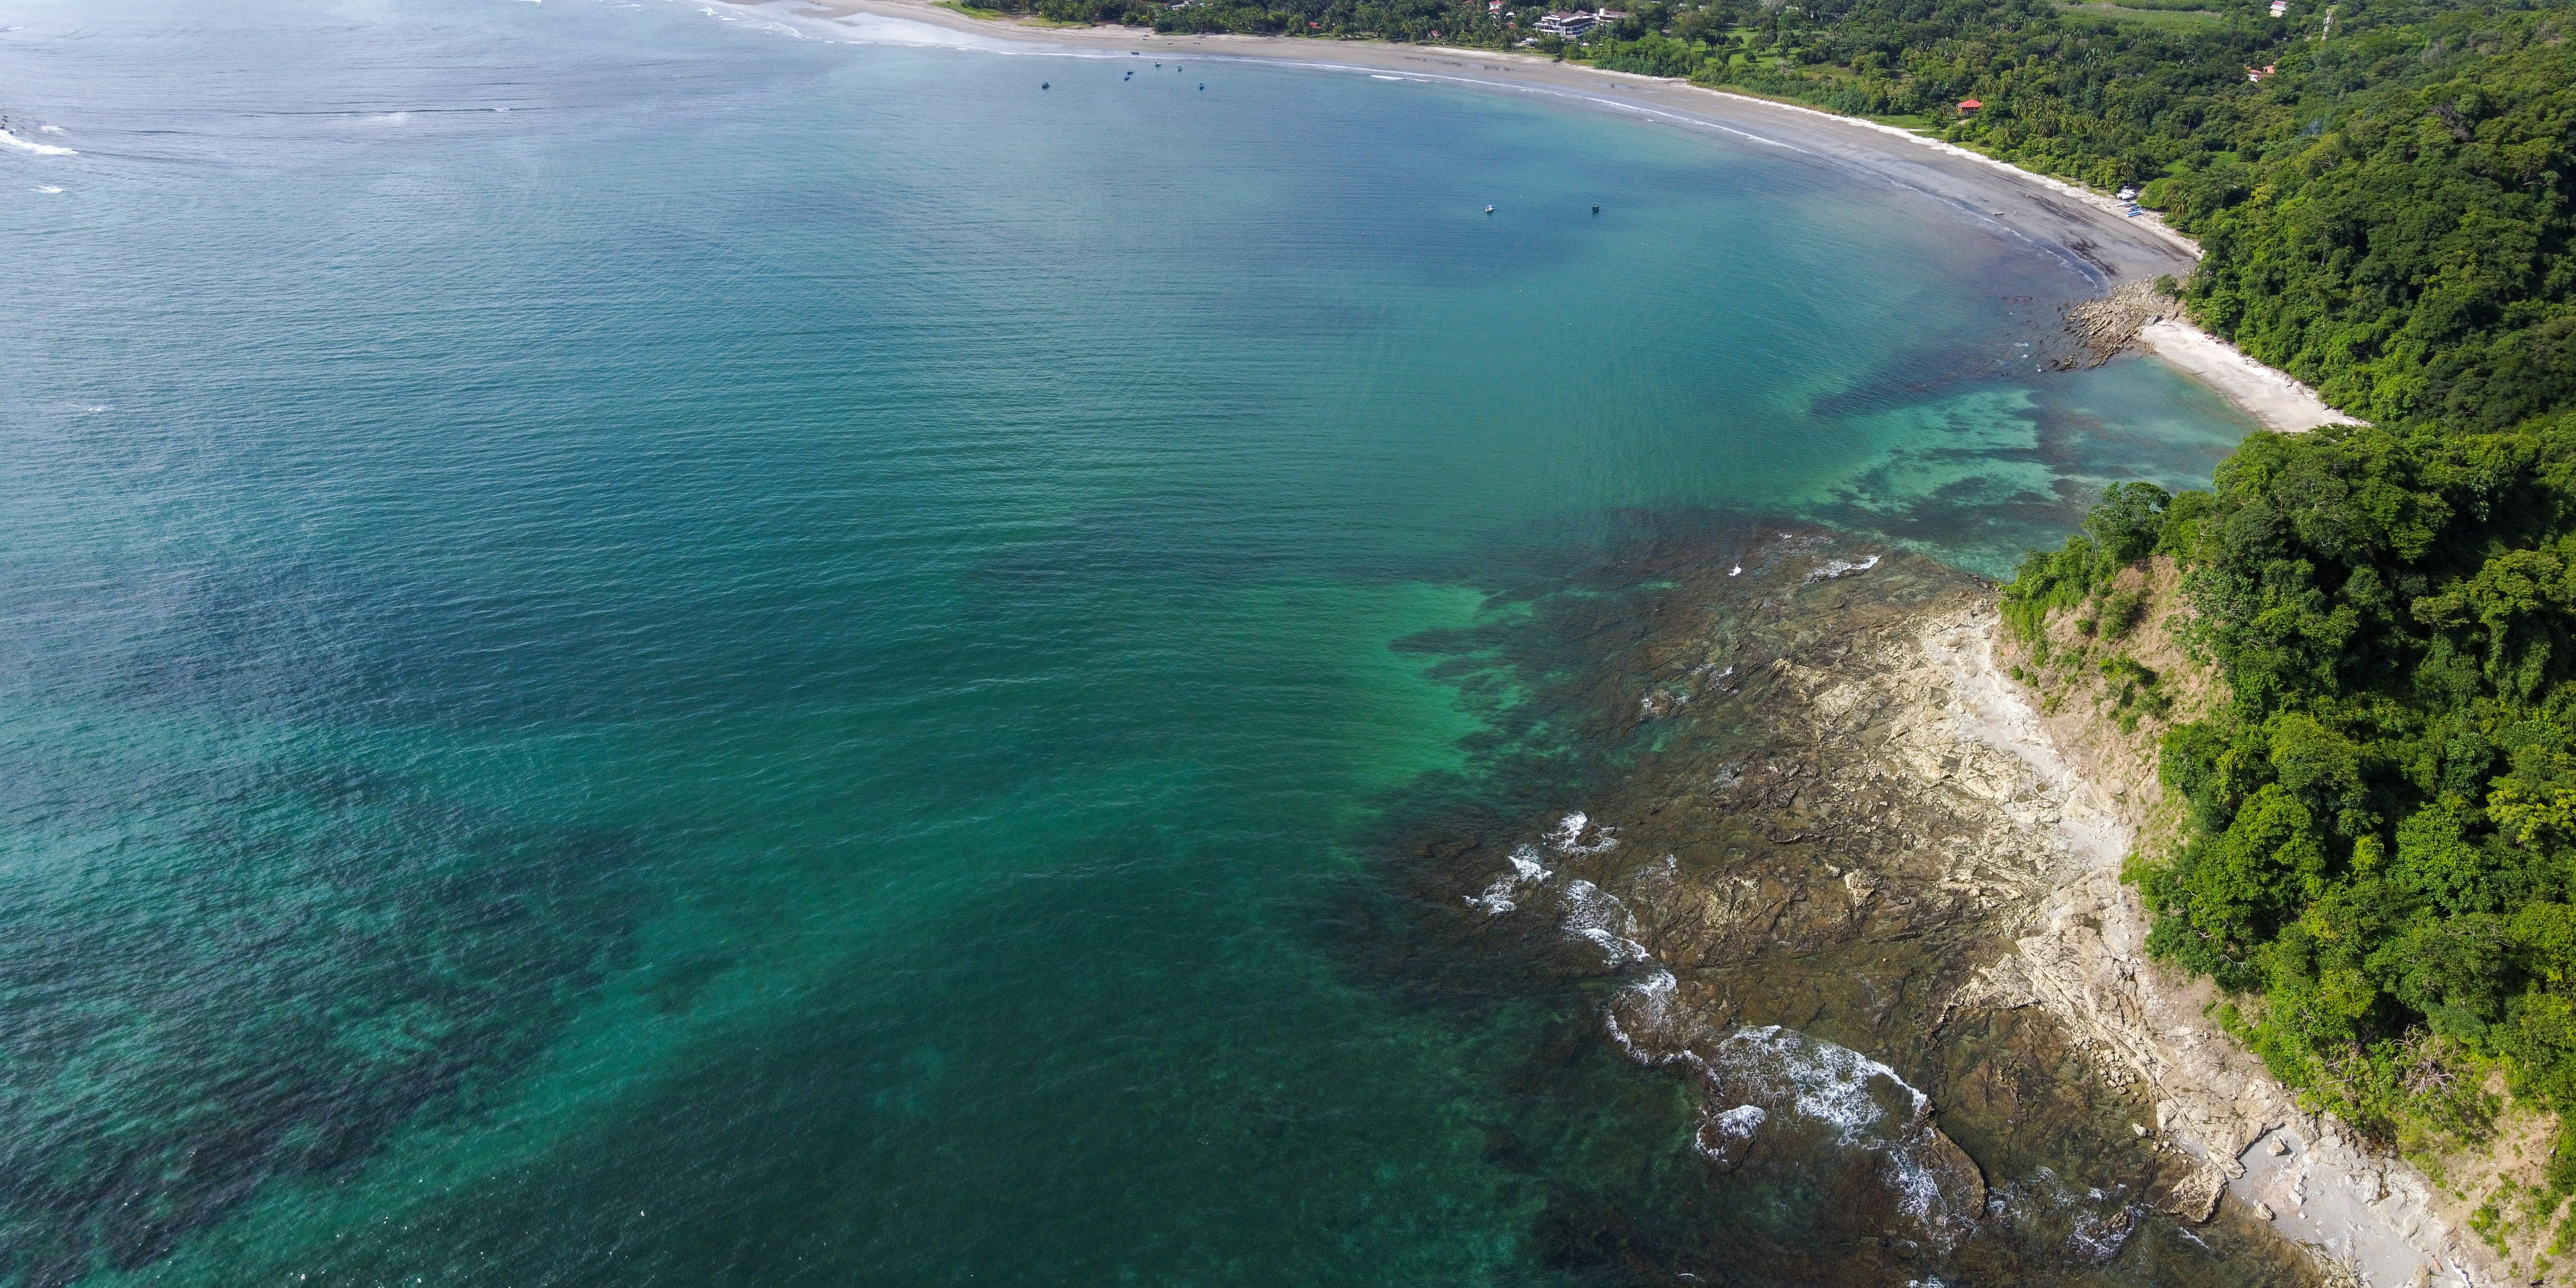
x=2274 y=398
x=2089 y=232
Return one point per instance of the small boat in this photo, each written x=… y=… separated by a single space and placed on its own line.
x=1489 y=210
x=1596 y=210
x=1044 y=85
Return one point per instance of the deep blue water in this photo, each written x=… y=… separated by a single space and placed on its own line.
x=639 y=651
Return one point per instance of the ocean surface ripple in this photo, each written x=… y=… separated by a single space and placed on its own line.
x=642 y=651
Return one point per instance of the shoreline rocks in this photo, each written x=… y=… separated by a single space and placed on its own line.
x=1859 y=827
x=1798 y=896
x=2109 y=326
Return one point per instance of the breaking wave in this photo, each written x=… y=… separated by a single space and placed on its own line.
x=1833 y=568
x=1570 y=834
x=1596 y=915
x=1526 y=870
x=1864 y=1104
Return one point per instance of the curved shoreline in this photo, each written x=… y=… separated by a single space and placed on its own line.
x=2082 y=962
x=2086 y=231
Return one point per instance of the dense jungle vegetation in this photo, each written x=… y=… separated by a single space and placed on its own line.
x=2380 y=860
x=2381 y=853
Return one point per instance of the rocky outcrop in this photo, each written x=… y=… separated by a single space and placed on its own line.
x=1809 y=898
x=1875 y=827
x=2107 y=327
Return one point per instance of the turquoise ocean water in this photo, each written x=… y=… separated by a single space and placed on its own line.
x=643 y=651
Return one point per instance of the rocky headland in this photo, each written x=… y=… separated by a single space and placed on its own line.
x=1859 y=883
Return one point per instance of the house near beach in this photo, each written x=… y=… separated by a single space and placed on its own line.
x=1568 y=24
x=1967 y=105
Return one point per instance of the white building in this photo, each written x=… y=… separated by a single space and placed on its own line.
x=1569 y=25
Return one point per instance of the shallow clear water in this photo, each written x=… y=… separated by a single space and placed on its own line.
x=643 y=651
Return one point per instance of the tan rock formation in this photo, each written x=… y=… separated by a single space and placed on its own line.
x=1910 y=831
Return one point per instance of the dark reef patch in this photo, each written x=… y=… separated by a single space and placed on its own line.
x=318 y=962
x=1662 y=833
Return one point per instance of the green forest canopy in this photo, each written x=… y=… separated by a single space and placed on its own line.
x=2382 y=836
x=2380 y=859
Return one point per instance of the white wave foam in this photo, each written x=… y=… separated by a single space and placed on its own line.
x=2097 y=1237
x=30 y=145
x=879 y=29
x=1526 y=870
x=1833 y=568
x=1836 y=1087
x=1658 y=874
x=1648 y=1003
x=1722 y=1137
x=391 y=118
x=1525 y=862
x=49 y=129
x=1597 y=915
x=2096 y=1225
x=49 y=188
x=1567 y=835
x=1822 y=1081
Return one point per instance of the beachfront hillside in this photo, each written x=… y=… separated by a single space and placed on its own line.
x=2384 y=199
x=2380 y=859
